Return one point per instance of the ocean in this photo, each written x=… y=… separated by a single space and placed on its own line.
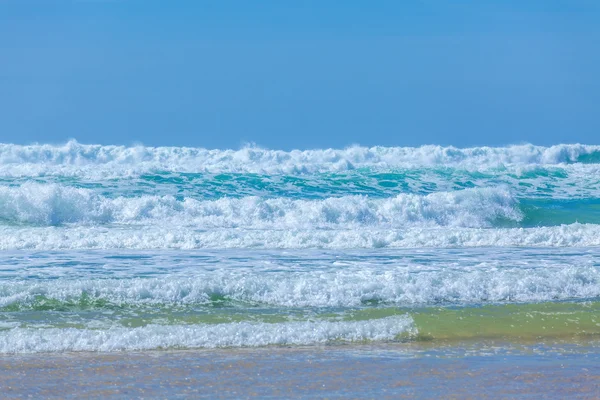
x=112 y=248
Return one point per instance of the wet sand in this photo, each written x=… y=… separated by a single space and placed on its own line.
x=382 y=371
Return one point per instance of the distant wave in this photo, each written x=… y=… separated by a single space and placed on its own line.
x=75 y=158
x=79 y=196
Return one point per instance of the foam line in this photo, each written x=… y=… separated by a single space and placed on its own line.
x=240 y=334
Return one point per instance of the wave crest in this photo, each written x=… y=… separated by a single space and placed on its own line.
x=75 y=158
x=237 y=334
x=52 y=204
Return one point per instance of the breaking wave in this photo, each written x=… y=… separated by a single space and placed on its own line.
x=77 y=238
x=398 y=285
x=75 y=158
x=52 y=204
x=237 y=334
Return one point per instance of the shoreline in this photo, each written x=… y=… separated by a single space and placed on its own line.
x=390 y=370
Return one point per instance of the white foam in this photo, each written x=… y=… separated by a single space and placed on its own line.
x=398 y=284
x=156 y=237
x=74 y=158
x=240 y=334
x=52 y=204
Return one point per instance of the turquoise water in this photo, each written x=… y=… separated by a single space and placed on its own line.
x=139 y=248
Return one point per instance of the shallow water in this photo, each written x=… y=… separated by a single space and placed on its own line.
x=131 y=300
x=463 y=370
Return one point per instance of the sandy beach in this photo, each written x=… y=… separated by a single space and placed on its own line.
x=491 y=370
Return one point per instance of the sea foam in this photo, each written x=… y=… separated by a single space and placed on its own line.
x=237 y=334
x=399 y=283
x=79 y=238
x=52 y=204
x=74 y=158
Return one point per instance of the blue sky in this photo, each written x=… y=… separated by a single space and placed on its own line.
x=300 y=74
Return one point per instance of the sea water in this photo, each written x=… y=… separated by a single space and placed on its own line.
x=108 y=248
